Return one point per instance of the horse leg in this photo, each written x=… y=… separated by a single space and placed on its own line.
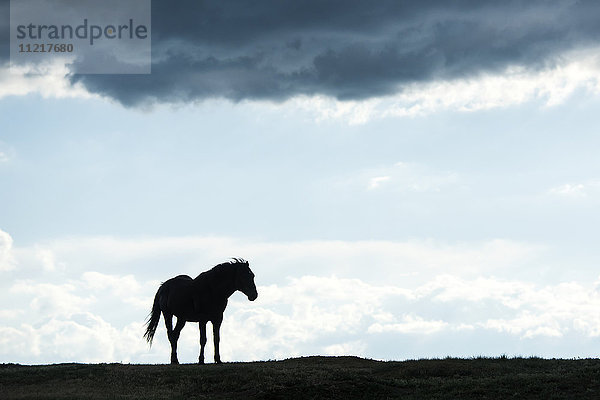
x=169 y=325
x=202 y=341
x=216 y=337
x=174 y=338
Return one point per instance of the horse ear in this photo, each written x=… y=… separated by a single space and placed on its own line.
x=240 y=261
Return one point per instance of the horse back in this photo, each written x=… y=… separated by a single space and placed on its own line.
x=190 y=299
x=183 y=297
x=181 y=278
x=177 y=289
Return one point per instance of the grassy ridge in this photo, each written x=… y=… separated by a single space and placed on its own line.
x=310 y=377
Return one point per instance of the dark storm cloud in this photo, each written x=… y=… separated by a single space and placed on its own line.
x=346 y=49
x=4 y=30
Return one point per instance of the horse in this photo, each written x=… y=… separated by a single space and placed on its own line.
x=199 y=300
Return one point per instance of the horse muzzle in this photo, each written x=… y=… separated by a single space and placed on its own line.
x=252 y=296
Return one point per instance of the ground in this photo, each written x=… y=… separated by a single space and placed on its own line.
x=311 y=378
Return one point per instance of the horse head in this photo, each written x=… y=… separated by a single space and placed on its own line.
x=244 y=279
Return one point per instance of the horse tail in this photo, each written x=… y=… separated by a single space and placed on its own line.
x=153 y=318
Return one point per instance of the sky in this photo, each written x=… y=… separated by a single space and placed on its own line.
x=407 y=180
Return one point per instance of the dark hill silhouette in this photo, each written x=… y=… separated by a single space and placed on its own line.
x=311 y=378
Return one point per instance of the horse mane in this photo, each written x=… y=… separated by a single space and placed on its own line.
x=221 y=268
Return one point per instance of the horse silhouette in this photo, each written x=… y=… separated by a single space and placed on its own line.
x=199 y=300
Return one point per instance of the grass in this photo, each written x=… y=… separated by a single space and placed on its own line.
x=310 y=378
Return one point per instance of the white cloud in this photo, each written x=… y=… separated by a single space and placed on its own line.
x=307 y=310
x=571 y=190
x=52 y=300
x=46 y=258
x=318 y=297
x=447 y=288
x=159 y=258
x=400 y=178
x=49 y=80
x=307 y=314
x=6 y=153
x=10 y=314
x=7 y=261
x=354 y=348
x=410 y=324
x=125 y=287
x=408 y=177
x=576 y=190
x=119 y=285
x=328 y=108
x=83 y=337
x=18 y=343
x=527 y=325
x=377 y=181
x=511 y=87
x=548 y=310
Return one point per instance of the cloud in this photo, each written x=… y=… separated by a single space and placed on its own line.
x=576 y=190
x=4 y=31
x=293 y=319
x=6 y=153
x=535 y=310
x=570 y=190
x=322 y=315
x=355 y=348
x=410 y=177
x=317 y=297
x=512 y=86
x=7 y=261
x=344 y=50
x=125 y=287
x=528 y=325
x=46 y=257
x=399 y=178
x=83 y=337
x=297 y=317
x=349 y=60
x=48 y=80
x=410 y=324
x=158 y=258
x=377 y=181
x=51 y=299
